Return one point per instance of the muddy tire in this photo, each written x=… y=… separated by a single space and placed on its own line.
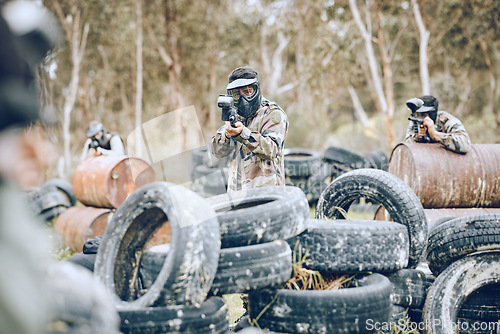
x=382 y=187
x=454 y=285
x=482 y=305
x=63 y=186
x=79 y=302
x=350 y=246
x=459 y=237
x=252 y=267
x=260 y=215
x=240 y=268
x=189 y=268
x=376 y=159
x=301 y=161
x=343 y=160
x=348 y=310
x=209 y=317
x=409 y=288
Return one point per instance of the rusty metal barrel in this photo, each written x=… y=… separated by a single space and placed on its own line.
x=105 y=181
x=443 y=179
x=79 y=224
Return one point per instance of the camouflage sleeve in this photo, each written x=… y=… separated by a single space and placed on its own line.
x=220 y=145
x=455 y=137
x=410 y=134
x=269 y=142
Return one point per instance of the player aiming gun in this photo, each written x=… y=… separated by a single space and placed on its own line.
x=417 y=117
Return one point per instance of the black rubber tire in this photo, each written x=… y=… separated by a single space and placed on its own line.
x=79 y=302
x=190 y=266
x=438 y=222
x=260 y=215
x=350 y=246
x=376 y=159
x=346 y=310
x=209 y=317
x=198 y=156
x=454 y=285
x=409 y=288
x=318 y=182
x=379 y=186
x=252 y=267
x=461 y=236
x=47 y=198
x=240 y=268
x=482 y=305
x=213 y=179
x=301 y=161
x=49 y=214
x=63 y=186
x=340 y=156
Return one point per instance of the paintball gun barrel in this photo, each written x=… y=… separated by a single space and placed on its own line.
x=94 y=144
x=415 y=104
x=229 y=112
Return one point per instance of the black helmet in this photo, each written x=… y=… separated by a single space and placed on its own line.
x=245 y=79
x=94 y=128
x=430 y=106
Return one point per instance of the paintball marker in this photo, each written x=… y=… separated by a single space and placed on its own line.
x=94 y=144
x=417 y=119
x=229 y=112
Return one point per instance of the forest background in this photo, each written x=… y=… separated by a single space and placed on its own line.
x=342 y=70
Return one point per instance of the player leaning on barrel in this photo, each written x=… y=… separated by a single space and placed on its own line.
x=430 y=125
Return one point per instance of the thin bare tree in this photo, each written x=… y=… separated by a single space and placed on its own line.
x=493 y=82
x=376 y=79
x=139 y=75
x=423 y=43
x=77 y=39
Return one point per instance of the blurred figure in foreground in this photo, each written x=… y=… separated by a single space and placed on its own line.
x=25 y=38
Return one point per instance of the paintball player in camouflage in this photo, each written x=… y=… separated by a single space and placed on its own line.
x=256 y=141
x=438 y=127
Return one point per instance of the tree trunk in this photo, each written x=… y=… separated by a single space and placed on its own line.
x=359 y=111
x=77 y=39
x=175 y=71
x=493 y=84
x=374 y=72
x=139 y=76
x=424 y=41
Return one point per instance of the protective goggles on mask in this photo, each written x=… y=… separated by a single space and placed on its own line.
x=242 y=87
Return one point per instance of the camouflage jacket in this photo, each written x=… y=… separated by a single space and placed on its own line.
x=455 y=137
x=257 y=153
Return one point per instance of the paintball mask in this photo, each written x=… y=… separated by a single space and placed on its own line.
x=95 y=128
x=247 y=96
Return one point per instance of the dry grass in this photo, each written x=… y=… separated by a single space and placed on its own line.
x=307 y=279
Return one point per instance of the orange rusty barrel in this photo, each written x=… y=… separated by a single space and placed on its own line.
x=79 y=224
x=105 y=181
x=443 y=179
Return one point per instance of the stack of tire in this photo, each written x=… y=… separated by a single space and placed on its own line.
x=464 y=254
x=50 y=200
x=305 y=170
x=382 y=254
x=208 y=173
x=220 y=245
